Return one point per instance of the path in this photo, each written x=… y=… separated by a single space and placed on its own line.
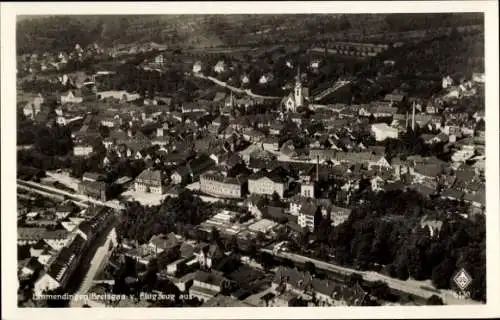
x=238 y=90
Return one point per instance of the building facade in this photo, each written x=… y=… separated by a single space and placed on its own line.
x=218 y=185
x=150 y=181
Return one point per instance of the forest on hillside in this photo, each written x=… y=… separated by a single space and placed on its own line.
x=55 y=33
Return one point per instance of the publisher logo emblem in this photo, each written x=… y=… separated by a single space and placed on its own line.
x=462 y=279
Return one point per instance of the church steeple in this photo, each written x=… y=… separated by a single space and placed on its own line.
x=299 y=99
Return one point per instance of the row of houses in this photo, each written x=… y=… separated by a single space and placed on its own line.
x=60 y=252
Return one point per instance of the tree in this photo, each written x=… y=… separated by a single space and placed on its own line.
x=380 y=290
x=297 y=302
x=353 y=279
x=310 y=267
x=442 y=273
x=266 y=260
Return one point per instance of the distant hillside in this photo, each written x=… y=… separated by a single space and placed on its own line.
x=53 y=33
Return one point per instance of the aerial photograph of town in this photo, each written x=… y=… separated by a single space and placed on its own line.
x=250 y=160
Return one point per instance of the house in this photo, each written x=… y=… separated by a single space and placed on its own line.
x=339 y=215
x=206 y=285
x=142 y=254
x=32 y=108
x=64 y=210
x=162 y=243
x=378 y=111
x=255 y=205
x=253 y=135
x=73 y=96
x=56 y=239
x=477 y=200
x=479 y=115
x=82 y=149
x=29 y=267
x=192 y=170
x=59 y=272
x=431 y=108
x=185 y=257
x=270 y=144
x=208 y=255
x=308 y=188
x=120 y=95
x=219 y=185
x=395 y=97
x=150 y=181
x=309 y=215
x=434 y=226
x=220 y=67
x=382 y=131
x=89 y=229
x=267 y=183
x=190 y=107
x=325 y=291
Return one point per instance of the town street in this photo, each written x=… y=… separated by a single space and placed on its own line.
x=97 y=262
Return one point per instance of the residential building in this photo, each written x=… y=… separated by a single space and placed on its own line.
x=60 y=271
x=206 y=285
x=164 y=243
x=192 y=170
x=82 y=149
x=339 y=215
x=73 y=96
x=265 y=183
x=32 y=108
x=309 y=215
x=325 y=291
x=219 y=185
x=208 y=255
x=150 y=181
x=121 y=95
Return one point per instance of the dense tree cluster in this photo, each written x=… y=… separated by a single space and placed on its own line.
x=384 y=233
x=141 y=223
x=410 y=143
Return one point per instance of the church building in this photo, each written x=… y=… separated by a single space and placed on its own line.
x=297 y=98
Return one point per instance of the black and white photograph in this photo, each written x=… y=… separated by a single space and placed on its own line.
x=196 y=160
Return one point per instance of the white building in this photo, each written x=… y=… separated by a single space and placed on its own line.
x=382 y=131
x=447 y=82
x=121 y=95
x=266 y=185
x=197 y=67
x=82 y=150
x=220 y=67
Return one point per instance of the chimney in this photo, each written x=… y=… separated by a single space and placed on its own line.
x=407 y=119
x=317 y=168
x=413 y=118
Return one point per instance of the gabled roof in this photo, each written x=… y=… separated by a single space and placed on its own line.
x=149 y=175
x=452 y=193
